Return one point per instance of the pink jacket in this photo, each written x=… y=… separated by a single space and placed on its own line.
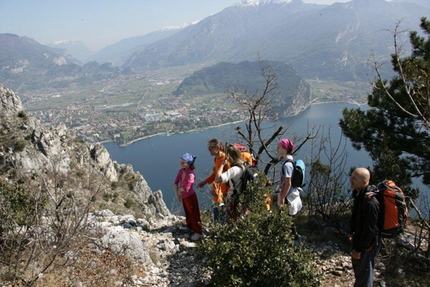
x=185 y=179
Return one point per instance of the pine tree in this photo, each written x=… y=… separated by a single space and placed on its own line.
x=395 y=131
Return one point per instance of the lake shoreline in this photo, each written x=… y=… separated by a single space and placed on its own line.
x=313 y=102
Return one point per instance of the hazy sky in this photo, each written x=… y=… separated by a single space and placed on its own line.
x=99 y=23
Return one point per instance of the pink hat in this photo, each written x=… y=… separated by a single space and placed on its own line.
x=241 y=147
x=286 y=144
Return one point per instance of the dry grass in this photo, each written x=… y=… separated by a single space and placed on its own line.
x=94 y=269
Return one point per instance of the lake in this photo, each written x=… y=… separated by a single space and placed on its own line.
x=157 y=158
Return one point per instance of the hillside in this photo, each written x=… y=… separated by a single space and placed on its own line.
x=119 y=52
x=332 y=42
x=76 y=49
x=293 y=92
x=27 y=65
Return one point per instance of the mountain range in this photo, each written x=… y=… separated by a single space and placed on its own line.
x=28 y=65
x=327 y=42
x=121 y=51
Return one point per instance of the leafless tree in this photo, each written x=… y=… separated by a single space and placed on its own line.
x=259 y=134
x=43 y=222
x=327 y=193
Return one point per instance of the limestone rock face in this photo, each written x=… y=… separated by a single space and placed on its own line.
x=102 y=157
x=120 y=241
x=29 y=148
x=297 y=103
x=10 y=104
x=157 y=201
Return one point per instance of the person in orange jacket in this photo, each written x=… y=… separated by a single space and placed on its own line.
x=219 y=190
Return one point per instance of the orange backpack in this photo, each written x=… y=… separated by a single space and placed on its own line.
x=393 y=208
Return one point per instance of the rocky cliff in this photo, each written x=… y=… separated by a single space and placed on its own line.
x=31 y=150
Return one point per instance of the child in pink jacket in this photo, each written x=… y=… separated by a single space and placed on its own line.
x=184 y=191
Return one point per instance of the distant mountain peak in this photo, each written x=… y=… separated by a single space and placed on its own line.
x=67 y=42
x=170 y=28
x=76 y=48
x=367 y=2
x=258 y=2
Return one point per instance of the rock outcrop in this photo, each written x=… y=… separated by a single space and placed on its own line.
x=27 y=147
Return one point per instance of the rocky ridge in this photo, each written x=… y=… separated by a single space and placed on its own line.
x=174 y=261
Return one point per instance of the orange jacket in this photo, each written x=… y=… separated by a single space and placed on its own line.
x=219 y=189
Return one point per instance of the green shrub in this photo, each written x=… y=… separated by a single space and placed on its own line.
x=19 y=146
x=129 y=203
x=257 y=249
x=22 y=114
x=106 y=196
x=20 y=211
x=19 y=205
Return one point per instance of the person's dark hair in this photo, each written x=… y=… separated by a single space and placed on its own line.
x=193 y=166
x=218 y=143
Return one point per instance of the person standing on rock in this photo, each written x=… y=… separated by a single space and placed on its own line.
x=233 y=176
x=219 y=190
x=364 y=235
x=288 y=193
x=184 y=192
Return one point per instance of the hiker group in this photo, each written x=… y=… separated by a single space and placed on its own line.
x=234 y=167
x=377 y=211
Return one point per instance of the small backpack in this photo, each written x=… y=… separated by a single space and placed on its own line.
x=299 y=169
x=249 y=174
x=393 y=209
x=247 y=156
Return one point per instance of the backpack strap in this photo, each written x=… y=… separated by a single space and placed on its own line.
x=373 y=190
x=288 y=160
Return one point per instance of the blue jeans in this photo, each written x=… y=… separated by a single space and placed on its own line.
x=219 y=213
x=365 y=266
